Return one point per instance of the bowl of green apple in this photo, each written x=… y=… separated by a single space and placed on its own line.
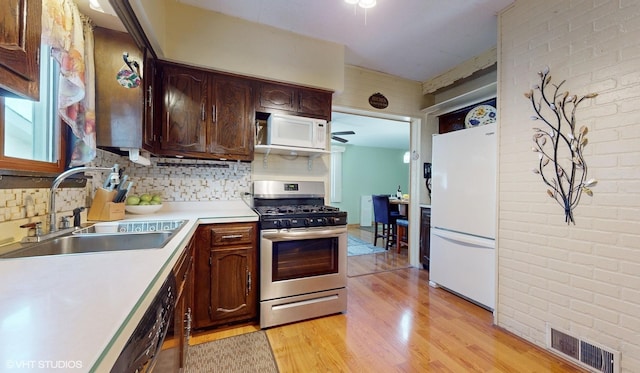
x=143 y=204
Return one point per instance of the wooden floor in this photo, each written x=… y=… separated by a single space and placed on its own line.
x=388 y=260
x=395 y=322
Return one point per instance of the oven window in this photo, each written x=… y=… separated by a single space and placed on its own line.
x=304 y=258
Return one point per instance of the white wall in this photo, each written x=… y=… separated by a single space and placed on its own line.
x=583 y=278
x=404 y=96
x=209 y=39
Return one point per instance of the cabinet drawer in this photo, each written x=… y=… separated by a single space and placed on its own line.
x=232 y=235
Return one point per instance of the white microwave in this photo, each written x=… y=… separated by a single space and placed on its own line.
x=300 y=132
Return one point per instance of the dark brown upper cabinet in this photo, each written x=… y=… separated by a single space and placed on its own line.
x=119 y=112
x=20 y=48
x=231 y=127
x=184 y=110
x=294 y=100
x=205 y=114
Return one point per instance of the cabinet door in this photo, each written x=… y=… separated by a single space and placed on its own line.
x=183 y=312
x=148 y=130
x=119 y=111
x=275 y=96
x=425 y=233
x=184 y=102
x=182 y=317
x=231 y=119
x=294 y=100
x=20 y=47
x=232 y=289
x=315 y=104
x=225 y=288
x=173 y=356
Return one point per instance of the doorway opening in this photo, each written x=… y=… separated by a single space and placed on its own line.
x=368 y=158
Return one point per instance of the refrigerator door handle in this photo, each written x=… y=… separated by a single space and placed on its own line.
x=465 y=239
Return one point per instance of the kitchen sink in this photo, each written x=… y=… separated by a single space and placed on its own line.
x=104 y=237
x=132 y=226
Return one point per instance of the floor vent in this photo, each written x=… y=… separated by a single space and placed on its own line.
x=587 y=354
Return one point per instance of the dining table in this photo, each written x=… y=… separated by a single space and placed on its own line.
x=401 y=203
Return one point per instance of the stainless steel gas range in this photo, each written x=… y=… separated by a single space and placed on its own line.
x=303 y=252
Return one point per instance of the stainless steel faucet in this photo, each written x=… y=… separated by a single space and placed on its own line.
x=58 y=180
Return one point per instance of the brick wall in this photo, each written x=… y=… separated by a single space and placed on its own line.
x=583 y=278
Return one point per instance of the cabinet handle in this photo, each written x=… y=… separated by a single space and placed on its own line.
x=186 y=273
x=202 y=111
x=213 y=113
x=248 y=283
x=149 y=95
x=187 y=327
x=231 y=236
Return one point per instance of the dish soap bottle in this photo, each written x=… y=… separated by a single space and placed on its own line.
x=399 y=193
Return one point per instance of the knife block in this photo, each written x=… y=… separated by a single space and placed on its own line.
x=103 y=208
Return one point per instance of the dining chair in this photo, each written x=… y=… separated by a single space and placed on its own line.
x=402 y=238
x=385 y=217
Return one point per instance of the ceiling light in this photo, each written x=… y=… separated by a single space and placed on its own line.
x=95 y=5
x=367 y=3
x=101 y=6
x=363 y=3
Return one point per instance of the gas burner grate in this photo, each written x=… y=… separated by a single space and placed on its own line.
x=296 y=209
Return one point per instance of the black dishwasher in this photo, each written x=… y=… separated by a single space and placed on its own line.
x=141 y=351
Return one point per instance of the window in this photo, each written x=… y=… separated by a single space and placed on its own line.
x=31 y=132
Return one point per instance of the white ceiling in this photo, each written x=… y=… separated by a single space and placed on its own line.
x=372 y=132
x=413 y=39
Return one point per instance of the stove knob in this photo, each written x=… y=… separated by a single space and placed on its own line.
x=287 y=223
x=323 y=221
x=307 y=222
x=331 y=221
x=277 y=223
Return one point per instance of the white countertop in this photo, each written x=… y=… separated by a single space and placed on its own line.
x=75 y=312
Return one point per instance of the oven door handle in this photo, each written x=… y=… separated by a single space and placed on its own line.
x=301 y=235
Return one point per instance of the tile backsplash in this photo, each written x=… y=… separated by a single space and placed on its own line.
x=177 y=180
x=180 y=180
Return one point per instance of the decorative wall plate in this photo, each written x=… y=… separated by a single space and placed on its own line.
x=480 y=115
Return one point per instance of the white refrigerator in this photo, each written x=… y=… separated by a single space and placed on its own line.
x=463 y=213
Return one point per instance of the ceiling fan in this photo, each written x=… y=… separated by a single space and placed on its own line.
x=336 y=135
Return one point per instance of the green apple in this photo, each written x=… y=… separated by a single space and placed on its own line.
x=133 y=200
x=145 y=197
x=144 y=203
x=155 y=202
x=156 y=198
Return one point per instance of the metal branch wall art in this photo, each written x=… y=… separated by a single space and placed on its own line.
x=560 y=143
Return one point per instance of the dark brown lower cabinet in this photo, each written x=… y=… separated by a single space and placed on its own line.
x=425 y=233
x=226 y=274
